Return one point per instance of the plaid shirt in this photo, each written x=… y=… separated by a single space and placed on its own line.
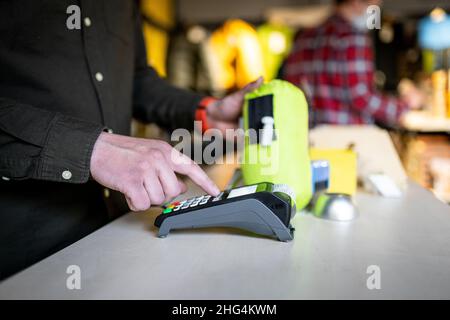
x=333 y=64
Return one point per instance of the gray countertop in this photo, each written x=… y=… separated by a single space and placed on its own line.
x=407 y=238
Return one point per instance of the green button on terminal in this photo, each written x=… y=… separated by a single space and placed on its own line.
x=168 y=210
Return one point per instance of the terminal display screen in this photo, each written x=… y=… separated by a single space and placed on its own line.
x=242 y=191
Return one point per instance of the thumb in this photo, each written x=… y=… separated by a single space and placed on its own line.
x=253 y=85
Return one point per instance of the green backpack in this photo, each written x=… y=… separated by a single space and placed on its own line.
x=276 y=139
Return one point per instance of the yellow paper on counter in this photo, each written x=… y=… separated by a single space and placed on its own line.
x=343 y=169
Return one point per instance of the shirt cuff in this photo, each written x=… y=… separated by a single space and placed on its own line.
x=67 y=151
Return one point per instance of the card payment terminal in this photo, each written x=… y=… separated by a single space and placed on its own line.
x=263 y=208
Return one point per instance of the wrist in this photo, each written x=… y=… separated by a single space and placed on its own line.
x=97 y=150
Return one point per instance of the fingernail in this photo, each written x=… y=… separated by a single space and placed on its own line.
x=216 y=190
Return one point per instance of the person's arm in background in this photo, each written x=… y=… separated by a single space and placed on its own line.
x=44 y=145
x=359 y=79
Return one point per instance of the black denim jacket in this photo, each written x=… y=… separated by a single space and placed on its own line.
x=59 y=88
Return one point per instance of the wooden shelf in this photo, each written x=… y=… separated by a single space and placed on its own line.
x=422 y=121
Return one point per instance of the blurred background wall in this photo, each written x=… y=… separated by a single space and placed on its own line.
x=216 y=46
x=201 y=11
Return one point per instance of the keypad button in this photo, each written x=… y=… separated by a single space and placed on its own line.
x=167 y=211
x=204 y=201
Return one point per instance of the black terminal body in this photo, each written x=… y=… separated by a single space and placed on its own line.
x=258 y=208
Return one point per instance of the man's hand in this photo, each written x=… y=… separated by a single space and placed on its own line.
x=224 y=114
x=144 y=170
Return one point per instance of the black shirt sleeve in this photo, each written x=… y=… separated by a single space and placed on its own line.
x=154 y=99
x=44 y=145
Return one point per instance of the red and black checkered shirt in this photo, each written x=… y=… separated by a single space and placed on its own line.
x=334 y=65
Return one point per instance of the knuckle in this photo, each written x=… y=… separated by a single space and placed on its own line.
x=142 y=148
x=133 y=181
x=126 y=187
x=157 y=155
x=144 y=164
x=179 y=159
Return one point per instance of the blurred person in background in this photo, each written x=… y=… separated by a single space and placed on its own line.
x=334 y=65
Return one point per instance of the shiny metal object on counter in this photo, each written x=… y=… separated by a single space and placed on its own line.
x=334 y=206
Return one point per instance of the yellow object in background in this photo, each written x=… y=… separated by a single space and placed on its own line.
x=343 y=169
x=276 y=43
x=439 y=83
x=448 y=93
x=156 y=37
x=428 y=60
x=234 y=55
